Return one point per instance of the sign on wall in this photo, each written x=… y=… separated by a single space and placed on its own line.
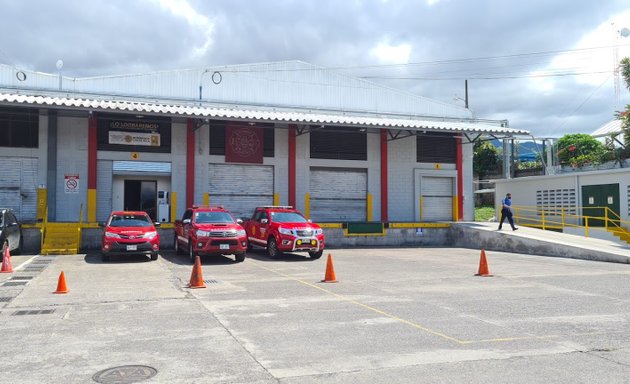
x=134 y=138
x=71 y=183
x=243 y=144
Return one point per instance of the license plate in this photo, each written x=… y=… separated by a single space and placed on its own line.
x=132 y=247
x=224 y=246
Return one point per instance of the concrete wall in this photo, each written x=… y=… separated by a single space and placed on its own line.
x=72 y=156
x=524 y=189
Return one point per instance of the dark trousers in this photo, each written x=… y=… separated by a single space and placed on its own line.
x=505 y=212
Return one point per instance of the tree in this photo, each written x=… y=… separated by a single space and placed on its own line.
x=579 y=149
x=485 y=158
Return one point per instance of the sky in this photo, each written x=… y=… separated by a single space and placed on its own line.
x=547 y=66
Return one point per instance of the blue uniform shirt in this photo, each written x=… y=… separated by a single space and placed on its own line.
x=507 y=201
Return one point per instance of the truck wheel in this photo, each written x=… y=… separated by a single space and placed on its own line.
x=154 y=256
x=105 y=258
x=316 y=254
x=239 y=257
x=272 y=248
x=191 y=252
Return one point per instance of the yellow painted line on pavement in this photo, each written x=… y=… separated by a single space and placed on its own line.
x=376 y=310
x=416 y=325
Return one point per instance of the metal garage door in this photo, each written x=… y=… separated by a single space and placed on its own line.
x=437 y=198
x=240 y=188
x=103 y=189
x=18 y=186
x=338 y=194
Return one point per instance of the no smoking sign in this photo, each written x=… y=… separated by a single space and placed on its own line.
x=71 y=183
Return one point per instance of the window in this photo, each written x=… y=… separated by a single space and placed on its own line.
x=19 y=127
x=217 y=138
x=555 y=201
x=436 y=148
x=337 y=143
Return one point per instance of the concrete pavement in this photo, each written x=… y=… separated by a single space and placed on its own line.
x=397 y=315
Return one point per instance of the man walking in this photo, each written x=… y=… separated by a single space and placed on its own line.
x=506 y=211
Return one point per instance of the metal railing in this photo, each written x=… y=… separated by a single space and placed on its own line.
x=42 y=229
x=79 y=228
x=559 y=218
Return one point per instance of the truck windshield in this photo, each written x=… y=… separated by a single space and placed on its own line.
x=287 y=217
x=213 y=217
x=130 y=221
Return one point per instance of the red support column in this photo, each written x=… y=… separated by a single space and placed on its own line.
x=460 y=179
x=92 y=140
x=91 y=176
x=292 y=164
x=384 y=177
x=190 y=163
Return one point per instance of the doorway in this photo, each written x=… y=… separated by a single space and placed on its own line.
x=595 y=198
x=141 y=195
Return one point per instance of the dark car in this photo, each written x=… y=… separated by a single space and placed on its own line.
x=128 y=233
x=10 y=232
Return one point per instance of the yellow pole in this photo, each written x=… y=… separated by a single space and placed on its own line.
x=276 y=199
x=586 y=228
x=369 y=207
x=206 y=199
x=562 y=216
x=543 y=218
x=606 y=216
x=307 y=205
x=516 y=216
x=173 y=206
x=91 y=214
x=455 y=208
x=42 y=203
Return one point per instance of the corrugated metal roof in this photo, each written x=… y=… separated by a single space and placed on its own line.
x=259 y=114
x=285 y=84
x=610 y=128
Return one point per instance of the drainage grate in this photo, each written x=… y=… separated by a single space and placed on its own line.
x=125 y=374
x=14 y=283
x=34 y=312
x=21 y=278
x=211 y=281
x=5 y=299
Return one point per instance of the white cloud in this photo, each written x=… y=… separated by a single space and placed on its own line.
x=431 y=3
x=182 y=8
x=391 y=54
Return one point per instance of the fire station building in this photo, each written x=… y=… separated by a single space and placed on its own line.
x=343 y=150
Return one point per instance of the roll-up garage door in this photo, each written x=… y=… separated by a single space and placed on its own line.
x=18 y=187
x=240 y=188
x=338 y=194
x=103 y=189
x=437 y=198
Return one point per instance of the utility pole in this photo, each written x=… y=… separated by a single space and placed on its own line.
x=466 y=93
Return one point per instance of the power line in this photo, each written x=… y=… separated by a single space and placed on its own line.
x=487 y=77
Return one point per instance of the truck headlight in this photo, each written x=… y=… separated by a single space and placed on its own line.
x=285 y=231
x=240 y=232
x=202 y=233
x=150 y=235
x=112 y=235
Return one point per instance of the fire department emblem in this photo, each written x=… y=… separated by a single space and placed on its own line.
x=244 y=142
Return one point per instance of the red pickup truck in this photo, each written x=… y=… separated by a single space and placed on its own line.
x=284 y=229
x=210 y=231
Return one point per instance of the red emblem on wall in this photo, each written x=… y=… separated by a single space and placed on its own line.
x=243 y=144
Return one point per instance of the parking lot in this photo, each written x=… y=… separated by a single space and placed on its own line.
x=409 y=315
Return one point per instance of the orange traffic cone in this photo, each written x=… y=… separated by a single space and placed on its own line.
x=330 y=271
x=6 y=262
x=61 y=285
x=483 y=266
x=196 y=278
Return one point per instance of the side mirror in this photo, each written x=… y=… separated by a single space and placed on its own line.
x=264 y=221
x=186 y=221
x=157 y=224
x=101 y=224
x=239 y=221
x=309 y=221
